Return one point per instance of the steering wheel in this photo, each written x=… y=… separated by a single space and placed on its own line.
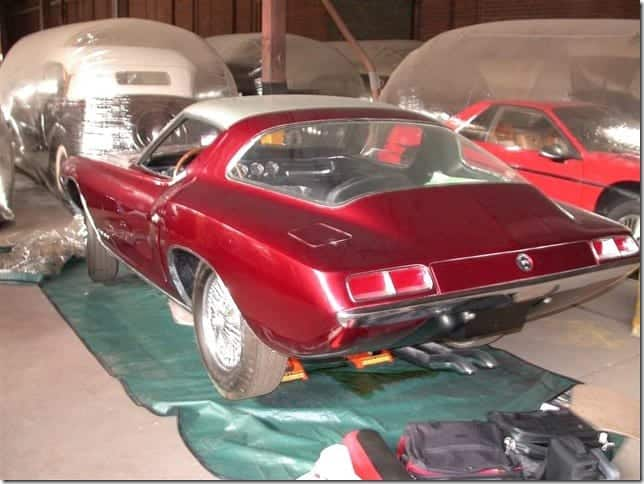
x=184 y=159
x=370 y=184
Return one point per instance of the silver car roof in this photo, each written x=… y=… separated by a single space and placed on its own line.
x=224 y=112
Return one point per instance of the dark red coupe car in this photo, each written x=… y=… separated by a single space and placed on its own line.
x=314 y=226
x=578 y=153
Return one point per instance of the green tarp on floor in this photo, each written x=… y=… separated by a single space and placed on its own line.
x=128 y=327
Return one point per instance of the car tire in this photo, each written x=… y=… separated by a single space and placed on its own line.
x=101 y=265
x=57 y=156
x=240 y=365
x=626 y=212
x=60 y=155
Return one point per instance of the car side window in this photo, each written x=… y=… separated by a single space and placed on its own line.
x=524 y=129
x=478 y=127
x=189 y=136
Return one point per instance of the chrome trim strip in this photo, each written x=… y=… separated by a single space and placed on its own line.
x=517 y=251
x=520 y=291
x=119 y=258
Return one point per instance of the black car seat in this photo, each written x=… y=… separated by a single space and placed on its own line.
x=439 y=152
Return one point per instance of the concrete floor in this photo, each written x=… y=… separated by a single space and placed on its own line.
x=64 y=417
x=591 y=343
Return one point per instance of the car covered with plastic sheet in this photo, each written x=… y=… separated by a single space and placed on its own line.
x=466 y=76
x=580 y=153
x=100 y=87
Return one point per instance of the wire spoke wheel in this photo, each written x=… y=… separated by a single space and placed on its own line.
x=632 y=221
x=239 y=364
x=222 y=326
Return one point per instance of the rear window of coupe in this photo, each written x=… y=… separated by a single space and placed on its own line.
x=335 y=162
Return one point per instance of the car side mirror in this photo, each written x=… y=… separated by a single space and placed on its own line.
x=555 y=153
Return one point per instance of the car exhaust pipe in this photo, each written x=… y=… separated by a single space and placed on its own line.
x=435 y=356
x=418 y=357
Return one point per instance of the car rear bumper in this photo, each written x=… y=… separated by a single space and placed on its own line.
x=537 y=296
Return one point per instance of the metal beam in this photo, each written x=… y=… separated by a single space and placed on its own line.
x=274 y=46
x=374 y=79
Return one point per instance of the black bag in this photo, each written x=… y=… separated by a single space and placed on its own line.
x=527 y=436
x=569 y=460
x=455 y=450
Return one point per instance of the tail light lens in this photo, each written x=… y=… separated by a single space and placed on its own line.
x=409 y=280
x=614 y=247
x=626 y=245
x=399 y=281
x=370 y=285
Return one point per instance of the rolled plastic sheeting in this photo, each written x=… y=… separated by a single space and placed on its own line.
x=43 y=253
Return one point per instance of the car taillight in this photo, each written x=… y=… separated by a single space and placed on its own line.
x=614 y=247
x=391 y=282
x=626 y=245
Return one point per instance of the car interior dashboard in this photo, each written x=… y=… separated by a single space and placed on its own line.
x=326 y=177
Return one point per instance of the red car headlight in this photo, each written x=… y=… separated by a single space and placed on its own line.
x=614 y=247
x=398 y=281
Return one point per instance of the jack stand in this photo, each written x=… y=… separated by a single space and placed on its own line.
x=362 y=360
x=294 y=371
x=438 y=357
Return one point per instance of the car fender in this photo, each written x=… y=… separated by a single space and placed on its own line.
x=279 y=296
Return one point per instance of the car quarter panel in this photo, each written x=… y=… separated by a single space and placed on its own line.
x=279 y=295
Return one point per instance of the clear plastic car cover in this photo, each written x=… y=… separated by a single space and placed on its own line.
x=596 y=61
x=312 y=67
x=101 y=87
x=386 y=55
x=6 y=173
x=558 y=99
x=44 y=252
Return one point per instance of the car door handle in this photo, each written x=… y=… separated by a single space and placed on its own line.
x=155 y=218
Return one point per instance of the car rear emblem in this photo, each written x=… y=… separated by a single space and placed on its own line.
x=524 y=262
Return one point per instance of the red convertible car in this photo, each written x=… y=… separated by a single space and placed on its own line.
x=575 y=152
x=315 y=226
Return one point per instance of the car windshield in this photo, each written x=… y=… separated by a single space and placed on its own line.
x=599 y=129
x=332 y=163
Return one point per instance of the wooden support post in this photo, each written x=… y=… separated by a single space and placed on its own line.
x=417 y=19
x=4 y=39
x=123 y=9
x=274 y=47
x=43 y=6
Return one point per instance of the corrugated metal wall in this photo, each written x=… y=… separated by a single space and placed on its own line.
x=369 y=19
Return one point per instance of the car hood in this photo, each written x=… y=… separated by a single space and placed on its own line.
x=424 y=225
